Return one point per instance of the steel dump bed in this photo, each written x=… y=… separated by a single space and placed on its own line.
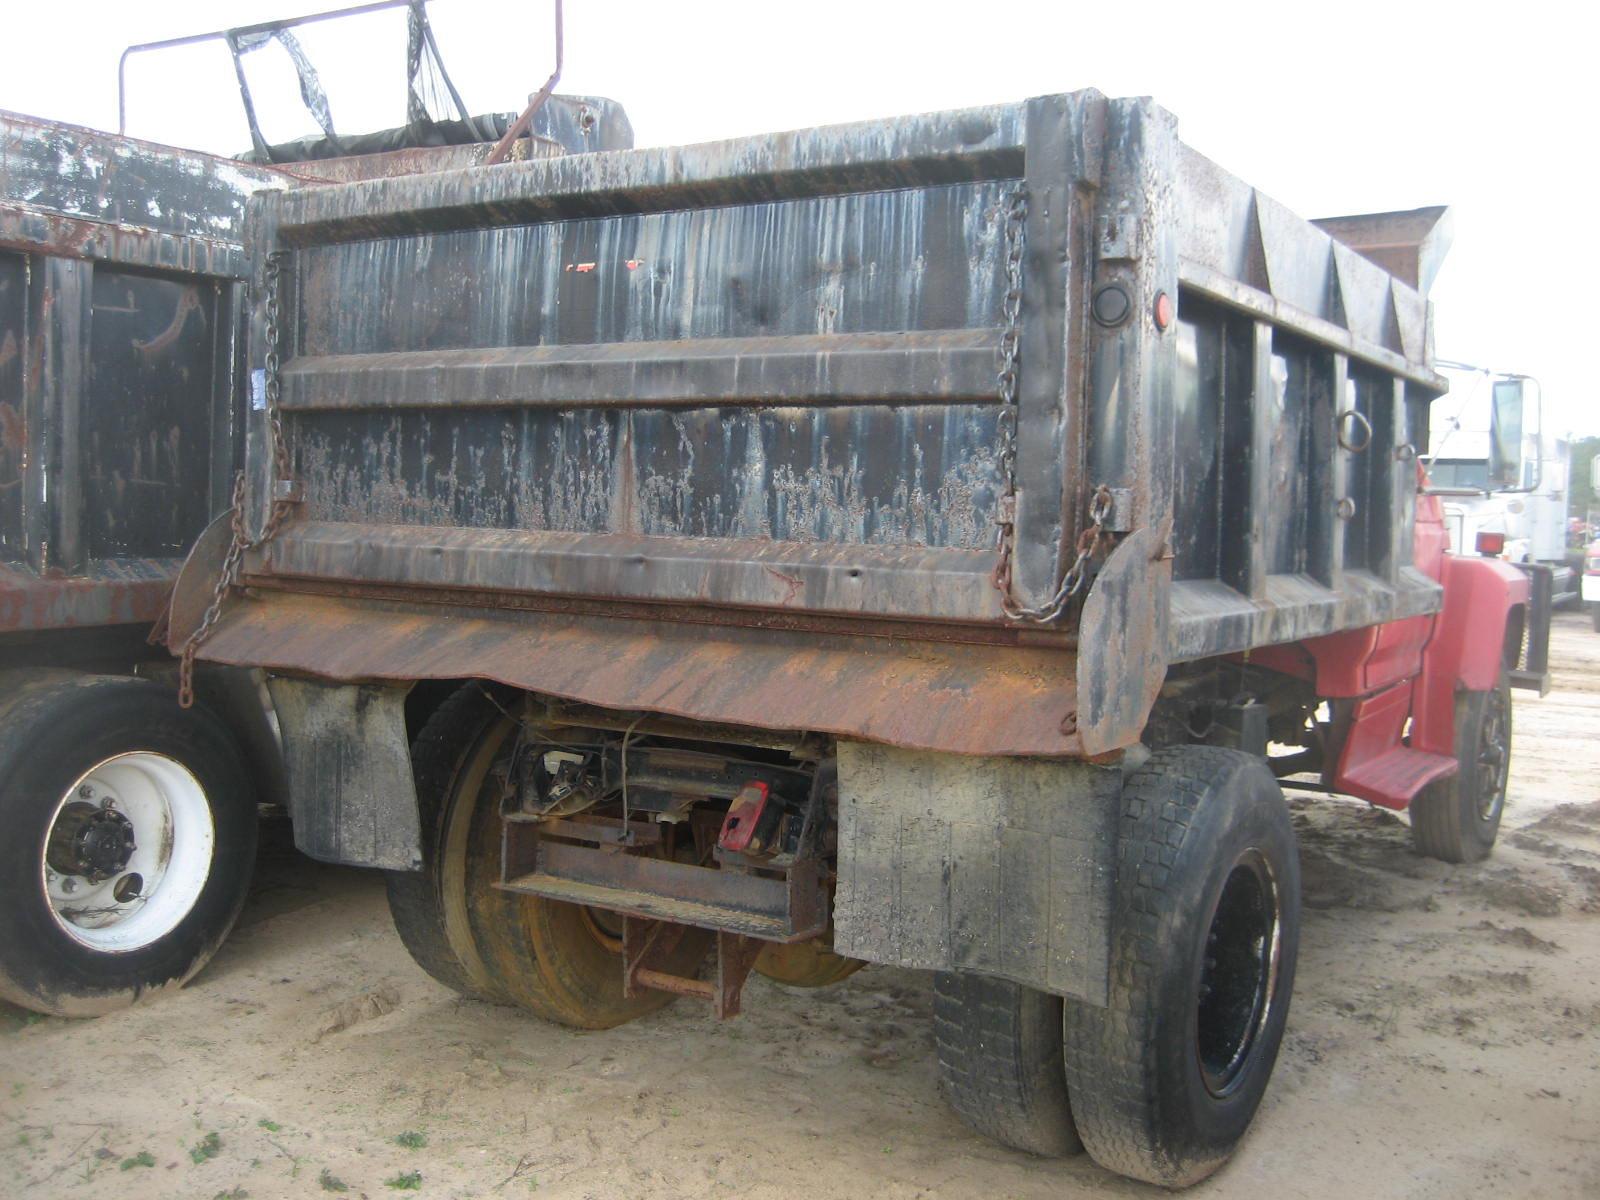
x=726 y=430
x=119 y=269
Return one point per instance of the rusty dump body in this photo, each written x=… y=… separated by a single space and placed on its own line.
x=121 y=359
x=724 y=431
x=120 y=264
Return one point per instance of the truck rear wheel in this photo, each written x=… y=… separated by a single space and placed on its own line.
x=562 y=962
x=999 y=1047
x=1457 y=819
x=1165 y=1080
x=429 y=906
x=130 y=837
x=810 y=964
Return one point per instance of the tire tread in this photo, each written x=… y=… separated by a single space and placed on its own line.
x=999 y=1053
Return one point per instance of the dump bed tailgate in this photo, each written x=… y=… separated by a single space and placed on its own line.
x=757 y=373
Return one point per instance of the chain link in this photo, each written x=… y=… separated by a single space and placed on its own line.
x=1089 y=541
x=282 y=504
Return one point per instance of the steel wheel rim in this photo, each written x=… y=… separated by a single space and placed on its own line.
x=605 y=927
x=127 y=852
x=1238 y=973
x=1492 y=765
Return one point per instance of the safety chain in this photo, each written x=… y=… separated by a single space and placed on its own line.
x=282 y=501
x=1006 y=384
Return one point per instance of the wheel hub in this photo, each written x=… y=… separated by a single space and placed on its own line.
x=128 y=852
x=1238 y=975
x=91 y=841
x=1493 y=759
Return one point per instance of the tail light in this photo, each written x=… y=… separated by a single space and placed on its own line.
x=739 y=827
x=1491 y=544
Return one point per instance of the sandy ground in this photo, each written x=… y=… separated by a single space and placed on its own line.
x=1444 y=1041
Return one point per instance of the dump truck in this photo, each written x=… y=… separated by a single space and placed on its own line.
x=128 y=823
x=925 y=542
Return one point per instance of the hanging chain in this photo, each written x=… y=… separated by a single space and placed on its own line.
x=282 y=502
x=1006 y=386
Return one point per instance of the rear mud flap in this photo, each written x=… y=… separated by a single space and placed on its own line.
x=997 y=866
x=351 y=792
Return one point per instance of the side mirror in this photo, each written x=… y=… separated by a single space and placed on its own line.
x=1506 y=435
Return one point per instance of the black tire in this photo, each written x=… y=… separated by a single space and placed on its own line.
x=427 y=905
x=1000 y=1066
x=59 y=738
x=1457 y=819
x=1166 y=1079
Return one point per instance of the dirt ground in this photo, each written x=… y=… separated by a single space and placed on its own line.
x=1444 y=1041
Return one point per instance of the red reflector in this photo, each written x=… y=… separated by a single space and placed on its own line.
x=1491 y=543
x=1163 y=310
x=744 y=814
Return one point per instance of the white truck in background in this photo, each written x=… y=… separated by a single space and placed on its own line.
x=1504 y=478
x=1591 y=551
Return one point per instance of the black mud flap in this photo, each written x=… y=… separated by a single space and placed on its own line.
x=352 y=797
x=990 y=866
x=1531 y=669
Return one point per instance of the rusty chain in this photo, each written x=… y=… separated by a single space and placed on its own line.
x=1006 y=385
x=282 y=504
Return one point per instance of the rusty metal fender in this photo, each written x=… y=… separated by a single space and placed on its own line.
x=196 y=583
x=1122 y=641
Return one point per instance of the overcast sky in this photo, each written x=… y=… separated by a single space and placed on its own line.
x=1356 y=107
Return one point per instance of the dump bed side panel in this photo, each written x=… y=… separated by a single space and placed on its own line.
x=119 y=324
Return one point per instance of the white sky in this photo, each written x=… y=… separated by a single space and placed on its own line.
x=1355 y=107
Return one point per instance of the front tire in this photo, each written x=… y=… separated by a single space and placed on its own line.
x=130 y=837
x=1165 y=1080
x=1457 y=819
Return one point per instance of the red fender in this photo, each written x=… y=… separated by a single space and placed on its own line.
x=1411 y=668
x=1467 y=650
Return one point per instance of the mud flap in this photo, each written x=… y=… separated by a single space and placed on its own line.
x=351 y=793
x=995 y=866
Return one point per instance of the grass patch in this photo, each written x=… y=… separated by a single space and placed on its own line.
x=411 y=1139
x=411 y=1181
x=142 y=1159
x=269 y=1125
x=331 y=1182
x=207 y=1147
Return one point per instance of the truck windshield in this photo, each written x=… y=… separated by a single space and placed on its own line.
x=1460 y=473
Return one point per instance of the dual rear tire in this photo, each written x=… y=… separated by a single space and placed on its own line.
x=1161 y=1083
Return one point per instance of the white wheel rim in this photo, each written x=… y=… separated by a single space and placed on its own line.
x=149 y=895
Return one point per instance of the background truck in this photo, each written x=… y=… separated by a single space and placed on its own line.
x=919 y=542
x=1504 y=477
x=127 y=822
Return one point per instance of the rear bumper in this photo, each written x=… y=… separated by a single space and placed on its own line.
x=956 y=697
